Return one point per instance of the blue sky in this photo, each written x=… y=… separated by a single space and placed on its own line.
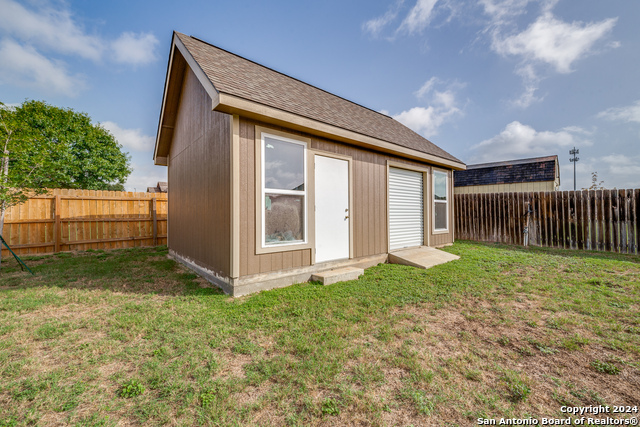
x=486 y=80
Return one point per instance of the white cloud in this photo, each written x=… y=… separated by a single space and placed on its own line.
x=419 y=16
x=132 y=139
x=415 y=21
x=376 y=25
x=578 y=130
x=518 y=141
x=145 y=175
x=616 y=170
x=548 y=43
x=584 y=168
x=530 y=81
x=49 y=28
x=426 y=87
x=136 y=49
x=621 y=170
x=630 y=113
x=24 y=66
x=427 y=120
x=551 y=41
x=502 y=11
x=527 y=97
x=34 y=41
x=620 y=164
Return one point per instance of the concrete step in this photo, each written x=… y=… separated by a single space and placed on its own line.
x=422 y=257
x=330 y=277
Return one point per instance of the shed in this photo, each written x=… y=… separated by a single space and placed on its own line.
x=534 y=174
x=273 y=179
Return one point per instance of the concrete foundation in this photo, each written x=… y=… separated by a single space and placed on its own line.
x=327 y=272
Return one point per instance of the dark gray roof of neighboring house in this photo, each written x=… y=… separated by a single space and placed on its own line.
x=240 y=77
x=162 y=187
x=537 y=169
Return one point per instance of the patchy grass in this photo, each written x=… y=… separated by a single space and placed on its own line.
x=128 y=337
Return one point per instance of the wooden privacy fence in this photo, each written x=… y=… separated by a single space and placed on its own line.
x=600 y=220
x=68 y=220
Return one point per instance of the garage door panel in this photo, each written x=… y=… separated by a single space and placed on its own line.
x=406 y=209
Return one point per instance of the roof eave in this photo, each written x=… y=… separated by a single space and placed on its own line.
x=165 y=124
x=231 y=104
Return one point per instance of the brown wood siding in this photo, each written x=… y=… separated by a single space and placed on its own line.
x=369 y=205
x=199 y=178
x=250 y=262
x=444 y=238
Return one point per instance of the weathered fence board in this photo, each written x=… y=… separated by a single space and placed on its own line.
x=600 y=220
x=68 y=220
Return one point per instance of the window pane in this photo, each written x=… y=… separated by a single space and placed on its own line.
x=284 y=219
x=283 y=165
x=441 y=216
x=440 y=185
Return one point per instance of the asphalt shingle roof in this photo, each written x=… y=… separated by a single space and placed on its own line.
x=509 y=172
x=240 y=77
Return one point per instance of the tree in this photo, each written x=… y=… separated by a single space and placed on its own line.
x=44 y=146
x=595 y=185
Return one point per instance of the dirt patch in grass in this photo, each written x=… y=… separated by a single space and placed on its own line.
x=535 y=352
x=527 y=334
x=234 y=364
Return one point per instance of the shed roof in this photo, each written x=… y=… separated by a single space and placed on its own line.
x=535 y=169
x=240 y=86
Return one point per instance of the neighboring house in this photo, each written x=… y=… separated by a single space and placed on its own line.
x=273 y=179
x=162 y=187
x=536 y=174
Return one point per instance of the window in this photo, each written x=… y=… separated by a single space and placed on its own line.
x=284 y=191
x=440 y=201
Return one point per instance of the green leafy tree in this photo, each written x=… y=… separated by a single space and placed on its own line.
x=44 y=146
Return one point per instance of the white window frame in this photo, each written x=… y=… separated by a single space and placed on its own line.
x=264 y=190
x=446 y=202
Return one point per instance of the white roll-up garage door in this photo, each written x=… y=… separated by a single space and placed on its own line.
x=406 y=208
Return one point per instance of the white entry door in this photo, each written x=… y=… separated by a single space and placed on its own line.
x=406 y=208
x=332 y=208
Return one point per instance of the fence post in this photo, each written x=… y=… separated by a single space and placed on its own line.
x=57 y=235
x=155 y=222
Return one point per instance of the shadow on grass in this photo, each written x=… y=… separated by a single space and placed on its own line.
x=150 y=271
x=134 y=270
x=570 y=253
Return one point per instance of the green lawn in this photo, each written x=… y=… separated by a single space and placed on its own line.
x=129 y=337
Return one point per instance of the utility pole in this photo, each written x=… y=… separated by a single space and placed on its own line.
x=574 y=160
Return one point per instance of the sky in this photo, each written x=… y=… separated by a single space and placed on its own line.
x=486 y=80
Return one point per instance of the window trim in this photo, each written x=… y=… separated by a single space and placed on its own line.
x=446 y=202
x=260 y=245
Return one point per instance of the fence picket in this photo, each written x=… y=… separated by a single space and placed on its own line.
x=555 y=224
x=624 y=221
x=615 y=207
x=636 y=226
x=64 y=220
x=563 y=218
x=602 y=220
x=599 y=221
